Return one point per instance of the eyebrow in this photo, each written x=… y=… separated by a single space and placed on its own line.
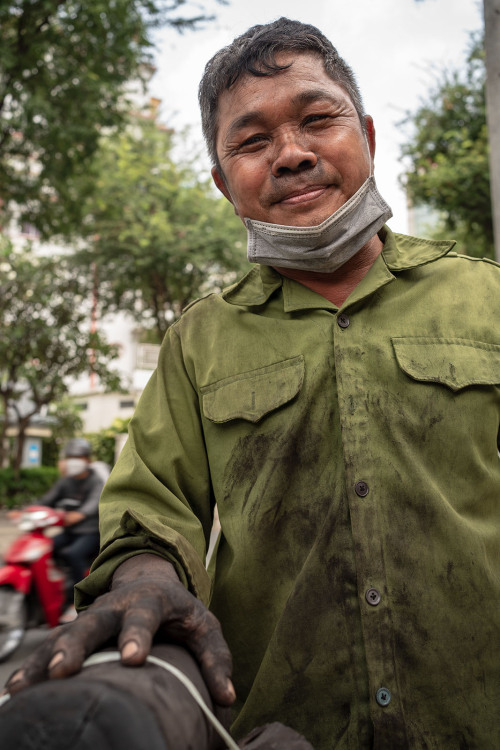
x=301 y=99
x=313 y=95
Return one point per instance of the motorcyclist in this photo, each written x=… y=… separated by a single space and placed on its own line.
x=77 y=492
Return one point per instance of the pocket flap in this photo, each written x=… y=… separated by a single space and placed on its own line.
x=456 y=363
x=251 y=395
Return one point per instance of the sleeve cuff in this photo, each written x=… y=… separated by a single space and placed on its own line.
x=139 y=534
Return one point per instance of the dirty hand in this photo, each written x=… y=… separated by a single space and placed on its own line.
x=146 y=598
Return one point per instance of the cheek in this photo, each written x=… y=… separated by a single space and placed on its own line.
x=248 y=182
x=354 y=158
x=340 y=145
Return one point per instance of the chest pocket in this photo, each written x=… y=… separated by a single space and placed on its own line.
x=253 y=394
x=455 y=363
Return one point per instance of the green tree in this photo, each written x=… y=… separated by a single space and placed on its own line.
x=157 y=232
x=65 y=420
x=63 y=65
x=45 y=341
x=446 y=158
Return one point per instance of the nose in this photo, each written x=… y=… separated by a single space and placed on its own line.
x=292 y=156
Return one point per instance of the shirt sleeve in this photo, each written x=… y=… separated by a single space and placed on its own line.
x=54 y=494
x=90 y=505
x=158 y=497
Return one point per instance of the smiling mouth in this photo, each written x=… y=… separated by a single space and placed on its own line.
x=305 y=195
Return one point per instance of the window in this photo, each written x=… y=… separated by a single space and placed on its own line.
x=127 y=404
x=147 y=356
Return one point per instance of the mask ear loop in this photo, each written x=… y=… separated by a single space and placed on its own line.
x=369 y=154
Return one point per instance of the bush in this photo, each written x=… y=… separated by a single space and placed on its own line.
x=103 y=442
x=31 y=484
x=103 y=446
x=51 y=450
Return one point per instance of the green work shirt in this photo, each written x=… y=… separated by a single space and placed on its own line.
x=352 y=454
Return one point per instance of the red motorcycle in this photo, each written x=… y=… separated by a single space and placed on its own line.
x=32 y=587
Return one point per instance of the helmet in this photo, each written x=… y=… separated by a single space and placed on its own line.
x=78 y=447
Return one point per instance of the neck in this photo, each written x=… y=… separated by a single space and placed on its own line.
x=337 y=286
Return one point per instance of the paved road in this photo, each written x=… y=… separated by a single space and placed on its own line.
x=31 y=640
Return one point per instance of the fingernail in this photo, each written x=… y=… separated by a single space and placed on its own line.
x=230 y=690
x=129 y=650
x=15 y=678
x=57 y=659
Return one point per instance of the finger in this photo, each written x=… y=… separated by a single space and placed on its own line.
x=212 y=652
x=216 y=670
x=79 y=639
x=35 y=667
x=137 y=633
x=15 y=677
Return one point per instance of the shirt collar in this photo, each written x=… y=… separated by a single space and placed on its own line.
x=400 y=253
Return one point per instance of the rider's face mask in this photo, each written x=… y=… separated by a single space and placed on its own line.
x=327 y=246
x=75 y=466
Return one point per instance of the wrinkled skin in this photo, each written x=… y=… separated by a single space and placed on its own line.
x=146 y=599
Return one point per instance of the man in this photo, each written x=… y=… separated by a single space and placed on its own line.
x=341 y=406
x=77 y=492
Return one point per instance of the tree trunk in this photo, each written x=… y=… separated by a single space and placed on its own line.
x=22 y=424
x=4 y=446
x=492 y=47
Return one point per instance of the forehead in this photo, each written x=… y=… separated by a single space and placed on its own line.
x=305 y=73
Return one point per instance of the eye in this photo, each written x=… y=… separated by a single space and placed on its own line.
x=311 y=119
x=253 y=140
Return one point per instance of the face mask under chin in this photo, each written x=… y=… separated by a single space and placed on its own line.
x=327 y=246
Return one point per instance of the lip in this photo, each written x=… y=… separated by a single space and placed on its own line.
x=304 y=195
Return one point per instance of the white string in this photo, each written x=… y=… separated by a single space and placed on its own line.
x=105 y=656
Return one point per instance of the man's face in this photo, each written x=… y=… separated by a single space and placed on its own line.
x=291 y=146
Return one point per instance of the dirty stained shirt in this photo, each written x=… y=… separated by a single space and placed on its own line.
x=353 y=457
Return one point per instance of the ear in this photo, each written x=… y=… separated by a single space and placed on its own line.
x=370 y=134
x=220 y=182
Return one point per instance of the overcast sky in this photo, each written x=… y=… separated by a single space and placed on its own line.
x=392 y=45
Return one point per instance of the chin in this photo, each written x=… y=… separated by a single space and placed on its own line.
x=304 y=218
x=307 y=215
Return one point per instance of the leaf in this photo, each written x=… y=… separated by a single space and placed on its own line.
x=446 y=156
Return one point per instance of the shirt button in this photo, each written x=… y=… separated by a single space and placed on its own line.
x=343 y=320
x=383 y=696
x=373 y=597
x=361 y=489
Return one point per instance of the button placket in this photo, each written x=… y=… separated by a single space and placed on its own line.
x=365 y=506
